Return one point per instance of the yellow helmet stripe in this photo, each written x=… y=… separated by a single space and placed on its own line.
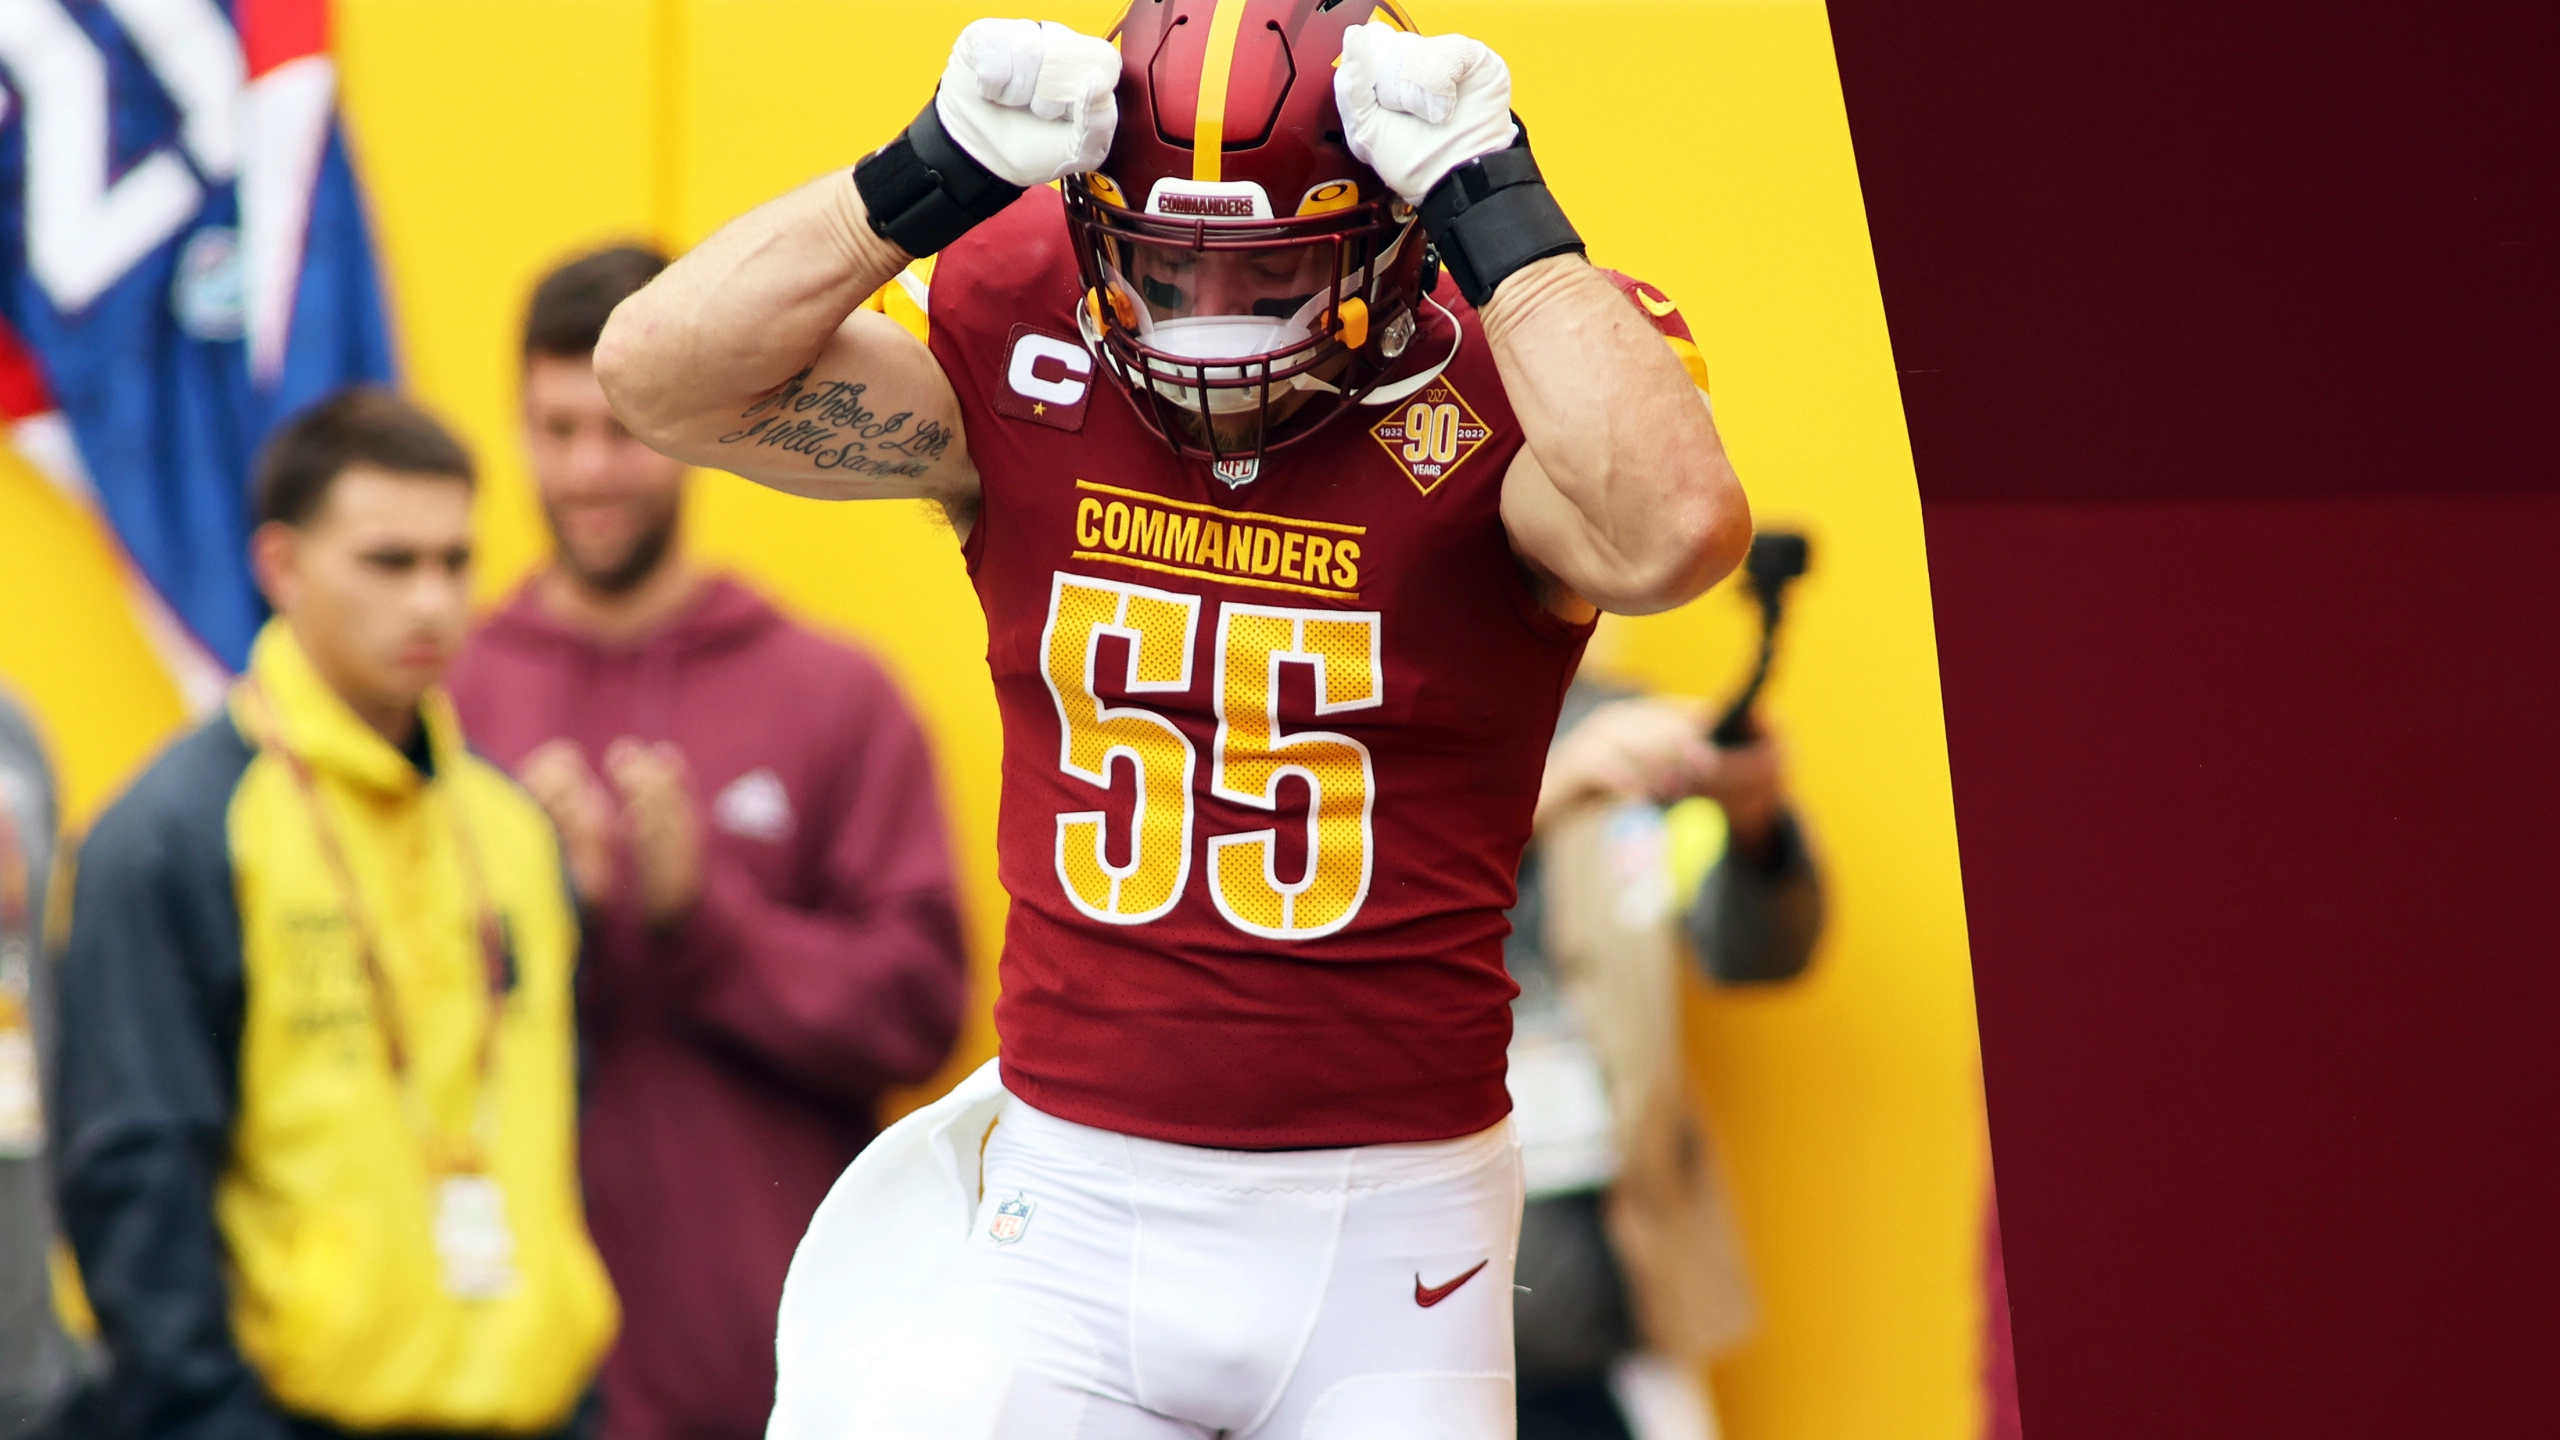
x=1209 y=132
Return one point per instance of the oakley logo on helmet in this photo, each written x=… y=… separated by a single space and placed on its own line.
x=1047 y=379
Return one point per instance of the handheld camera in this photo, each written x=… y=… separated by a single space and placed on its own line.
x=1777 y=558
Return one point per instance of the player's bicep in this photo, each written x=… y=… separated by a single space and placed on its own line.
x=872 y=418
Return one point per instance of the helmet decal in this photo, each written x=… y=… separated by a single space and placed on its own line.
x=1217 y=75
x=1217 y=70
x=1330 y=196
x=1216 y=199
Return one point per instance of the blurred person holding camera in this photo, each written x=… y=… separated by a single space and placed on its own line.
x=318 y=1090
x=752 y=822
x=1654 y=849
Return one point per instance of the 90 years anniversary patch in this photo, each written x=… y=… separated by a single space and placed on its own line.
x=1432 y=434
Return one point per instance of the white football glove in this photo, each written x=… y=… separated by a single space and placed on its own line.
x=1415 y=107
x=1030 y=99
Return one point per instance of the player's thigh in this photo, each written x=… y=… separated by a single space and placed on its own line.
x=1414 y=1338
x=1026 y=1336
x=947 y=1391
x=956 y=1387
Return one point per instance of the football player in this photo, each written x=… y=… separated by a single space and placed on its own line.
x=1294 y=447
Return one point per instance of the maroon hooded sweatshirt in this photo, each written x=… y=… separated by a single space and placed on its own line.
x=733 y=1061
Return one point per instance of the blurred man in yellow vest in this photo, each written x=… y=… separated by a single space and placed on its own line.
x=318 y=1095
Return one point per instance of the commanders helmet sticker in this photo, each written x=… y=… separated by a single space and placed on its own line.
x=1431 y=434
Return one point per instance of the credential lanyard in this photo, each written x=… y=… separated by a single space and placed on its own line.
x=386 y=1005
x=18 y=939
x=17 y=908
x=21 y=1091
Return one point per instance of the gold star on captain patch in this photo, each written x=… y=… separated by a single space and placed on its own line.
x=1039 y=409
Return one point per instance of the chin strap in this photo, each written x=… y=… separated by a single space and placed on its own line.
x=924 y=191
x=1493 y=215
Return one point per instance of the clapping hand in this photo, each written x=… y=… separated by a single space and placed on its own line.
x=581 y=809
x=661 y=824
x=643 y=803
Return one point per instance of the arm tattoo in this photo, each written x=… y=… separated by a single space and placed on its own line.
x=828 y=423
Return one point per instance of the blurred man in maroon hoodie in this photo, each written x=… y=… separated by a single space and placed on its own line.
x=750 y=820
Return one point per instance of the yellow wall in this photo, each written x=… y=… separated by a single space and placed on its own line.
x=1701 y=146
x=69 y=647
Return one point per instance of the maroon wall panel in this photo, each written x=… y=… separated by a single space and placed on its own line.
x=2230 y=344
x=2257 y=802
x=2214 y=247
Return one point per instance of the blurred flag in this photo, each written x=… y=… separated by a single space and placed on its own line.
x=183 y=262
x=38 y=432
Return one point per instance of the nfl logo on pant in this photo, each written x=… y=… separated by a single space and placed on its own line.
x=1012 y=1218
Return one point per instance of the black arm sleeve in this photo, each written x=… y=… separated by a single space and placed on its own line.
x=1756 y=921
x=150 y=1042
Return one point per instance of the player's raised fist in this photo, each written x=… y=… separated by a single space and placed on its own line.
x=1415 y=107
x=1030 y=99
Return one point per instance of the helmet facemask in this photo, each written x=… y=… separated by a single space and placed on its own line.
x=1237 y=335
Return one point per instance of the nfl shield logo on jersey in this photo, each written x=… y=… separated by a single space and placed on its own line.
x=1236 y=473
x=1012 y=1218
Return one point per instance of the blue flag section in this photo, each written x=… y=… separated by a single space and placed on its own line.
x=184 y=253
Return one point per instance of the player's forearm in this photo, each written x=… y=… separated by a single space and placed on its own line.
x=741 y=314
x=1640 y=510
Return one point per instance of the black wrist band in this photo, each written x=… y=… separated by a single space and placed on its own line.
x=924 y=191
x=1493 y=215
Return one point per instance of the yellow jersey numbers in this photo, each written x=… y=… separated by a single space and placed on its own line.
x=1159 y=627
x=1253 y=754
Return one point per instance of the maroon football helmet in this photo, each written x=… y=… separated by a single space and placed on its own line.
x=1246 y=280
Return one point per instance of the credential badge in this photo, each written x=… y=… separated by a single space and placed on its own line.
x=1012 y=1218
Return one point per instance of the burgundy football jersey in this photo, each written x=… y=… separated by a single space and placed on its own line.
x=1270 y=749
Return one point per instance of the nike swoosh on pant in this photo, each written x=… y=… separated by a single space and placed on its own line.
x=1427 y=1296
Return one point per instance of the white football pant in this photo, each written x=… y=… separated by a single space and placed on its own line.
x=1112 y=1288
